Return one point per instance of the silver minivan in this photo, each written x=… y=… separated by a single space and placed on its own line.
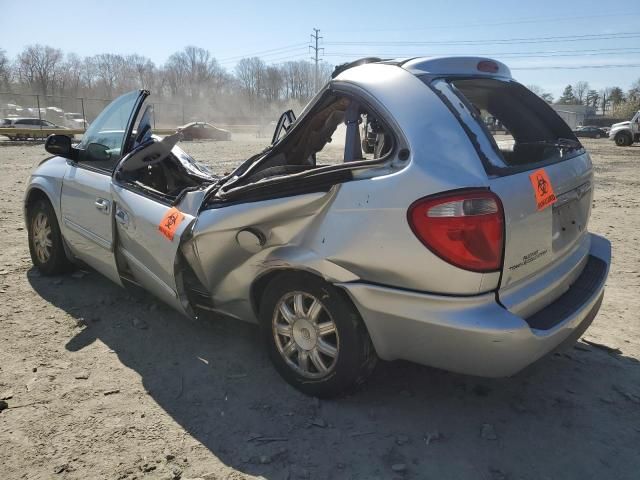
x=428 y=238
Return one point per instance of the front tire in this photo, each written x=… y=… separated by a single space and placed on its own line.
x=623 y=140
x=315 y=337
x=45 y=241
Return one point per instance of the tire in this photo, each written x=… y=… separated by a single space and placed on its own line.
x=597 y=135
x=623 y=140
x=45 y=241
x=344 y=351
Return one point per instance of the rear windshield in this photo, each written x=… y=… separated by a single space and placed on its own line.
x=518 y=127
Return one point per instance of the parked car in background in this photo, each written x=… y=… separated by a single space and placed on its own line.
x=203 y=130
x=589 y=131
x=30 y=123
x=75 y=120
x=443 y=246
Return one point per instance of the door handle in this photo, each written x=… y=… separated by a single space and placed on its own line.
x=122 y=218
x=102 y=205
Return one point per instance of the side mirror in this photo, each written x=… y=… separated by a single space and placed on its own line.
x=59 y=145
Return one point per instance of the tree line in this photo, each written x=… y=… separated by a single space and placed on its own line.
x=612 y=101
x=192 y=76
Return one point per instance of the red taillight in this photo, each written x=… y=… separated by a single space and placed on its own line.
x=464 y=228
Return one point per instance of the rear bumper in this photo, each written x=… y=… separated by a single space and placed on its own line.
x=476 y=335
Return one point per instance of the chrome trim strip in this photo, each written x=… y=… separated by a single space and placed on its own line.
x=89 y=235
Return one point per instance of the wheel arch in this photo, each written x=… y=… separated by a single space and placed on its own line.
x=35 y=193
x=259 y=285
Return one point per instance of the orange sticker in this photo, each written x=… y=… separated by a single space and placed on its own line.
x=542 y=189
x=170 y=222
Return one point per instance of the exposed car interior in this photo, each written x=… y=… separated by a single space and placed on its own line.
x=163 y=170
x=329 y=135
x=339 y=130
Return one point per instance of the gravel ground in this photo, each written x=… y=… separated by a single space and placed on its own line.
x=102 y=382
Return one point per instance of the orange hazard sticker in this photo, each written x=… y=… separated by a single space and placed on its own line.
x=542 y=189
x=170 y=222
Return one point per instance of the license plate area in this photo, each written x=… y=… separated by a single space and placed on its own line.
x=569 y=221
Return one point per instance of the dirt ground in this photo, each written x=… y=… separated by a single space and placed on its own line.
x=108 y=383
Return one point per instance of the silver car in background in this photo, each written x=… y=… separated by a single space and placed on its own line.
x=439 y=244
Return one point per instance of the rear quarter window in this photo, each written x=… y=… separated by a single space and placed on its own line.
x=520 y=128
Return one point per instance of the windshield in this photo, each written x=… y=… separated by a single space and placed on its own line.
x=108 y=129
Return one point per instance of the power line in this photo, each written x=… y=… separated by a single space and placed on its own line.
x=541 y=54
x=499 y=41
x=547 y=19
x=263 y=52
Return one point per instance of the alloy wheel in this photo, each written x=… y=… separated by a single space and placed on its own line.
x=305 y=335
x=41 y=235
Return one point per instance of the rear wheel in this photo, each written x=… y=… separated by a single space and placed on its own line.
x=314 y=335
x=623 y=140
x=45 y=241
x=597 y=135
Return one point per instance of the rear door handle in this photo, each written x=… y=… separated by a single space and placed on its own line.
x=102 y=205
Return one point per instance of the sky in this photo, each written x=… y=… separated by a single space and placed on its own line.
x=545 y=43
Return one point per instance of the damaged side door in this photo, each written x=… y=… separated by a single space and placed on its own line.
x=150 y=228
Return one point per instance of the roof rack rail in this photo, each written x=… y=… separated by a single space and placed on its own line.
x=346 y=66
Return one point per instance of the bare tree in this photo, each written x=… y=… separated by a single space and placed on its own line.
x=605 y=101
x=298 y=79
x=273 y=83
x=5 y=71
x=196 y=70
x=109 y=68
x=633 y=95
x=546 y=96
x=580 y=90
x=70 y=77
x=142 y=69
x=250 y=73
x=38 y=66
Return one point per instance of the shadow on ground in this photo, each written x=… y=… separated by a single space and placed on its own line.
x=565 y=417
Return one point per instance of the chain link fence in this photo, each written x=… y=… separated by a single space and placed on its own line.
x=78 y=113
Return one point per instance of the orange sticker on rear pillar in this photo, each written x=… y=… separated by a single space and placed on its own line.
x=170 y=222
x=542 y=189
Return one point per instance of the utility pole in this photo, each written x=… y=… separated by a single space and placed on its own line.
x=315 y=36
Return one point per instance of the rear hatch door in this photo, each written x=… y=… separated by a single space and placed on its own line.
x=544 y=178
x=546 y=244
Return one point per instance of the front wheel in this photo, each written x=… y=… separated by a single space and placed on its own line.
x=45 y=241
x=623 y=140
x=314 y=335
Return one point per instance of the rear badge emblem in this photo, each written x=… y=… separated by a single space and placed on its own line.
x=542 y=189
